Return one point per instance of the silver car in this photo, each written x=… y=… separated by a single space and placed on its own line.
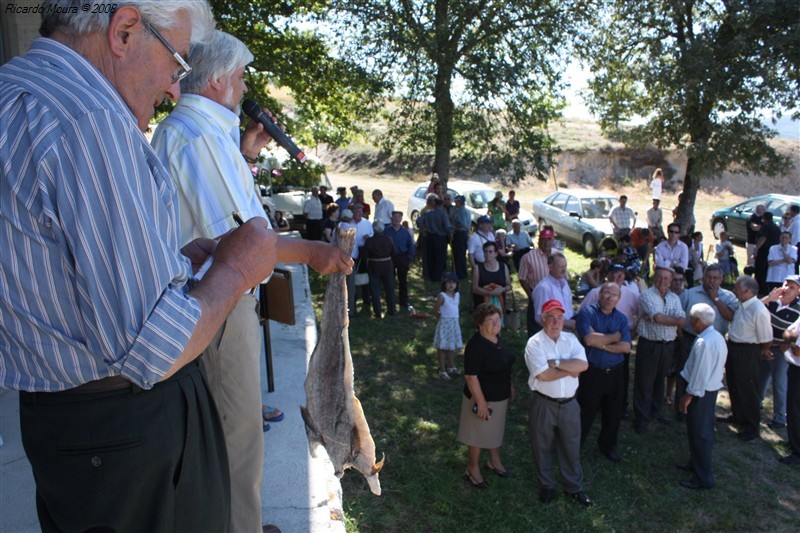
x=476 y=199
x=579 y=217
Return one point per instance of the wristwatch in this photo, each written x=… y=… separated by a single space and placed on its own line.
x=716 y=299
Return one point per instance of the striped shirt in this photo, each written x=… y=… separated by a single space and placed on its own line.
x=91 y=281
x=199 y=142
x=651 y=303
x=533 y=268
x=781 y=317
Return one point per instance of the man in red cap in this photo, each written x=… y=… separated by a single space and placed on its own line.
x=533 y=269
x=555 y=358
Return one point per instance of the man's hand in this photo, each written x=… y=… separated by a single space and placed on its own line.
x=249 y=250
x=683 y=403
x=198 y=251
x=766 y=355
x=326 y=258
x=254 y=138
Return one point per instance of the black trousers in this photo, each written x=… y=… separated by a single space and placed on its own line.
x=602 y=390
x=700 y=431
x=314 y=230
x=530 y=319
x=381 y=275
x=400 y=262
x=741 y=369
x=683 y=346
x=459 y=246
x=437 y=255
x=793 y=408
x=653 y=360
x=128 y=460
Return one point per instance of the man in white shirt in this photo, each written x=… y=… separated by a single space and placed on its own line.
x=655 y=219
x=363 y=232
x=794 y=229
x=749 y=337
x=781 y=260
x=475 y=244
x=312 y=209
x=673 y=252
x=703 y=378
x=200 y=143
x=519 y=241
x=383 y=207
x=622 y=218
x=792 y=356
x=555 y=359
x=555 y=287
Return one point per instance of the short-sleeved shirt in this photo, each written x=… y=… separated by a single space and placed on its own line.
x=781 y=317
x=476 y=242
x=777 y=273
x=623 y=217
x=751 y=323
x=541 y=349
x=533 y=267
x=492 y=364
x=592 y=318
x=697 y=295
x=651 y=303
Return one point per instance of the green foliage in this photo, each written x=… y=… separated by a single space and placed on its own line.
x=331 y=96
x=296 y=174
x=697 y=74
x=474 y=79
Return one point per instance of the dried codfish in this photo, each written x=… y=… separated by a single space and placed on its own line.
x=333 y=415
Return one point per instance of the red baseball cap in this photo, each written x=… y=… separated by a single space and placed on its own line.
x=547 y=233
x=552 y=305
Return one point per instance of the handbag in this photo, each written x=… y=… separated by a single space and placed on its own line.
x=512 y=313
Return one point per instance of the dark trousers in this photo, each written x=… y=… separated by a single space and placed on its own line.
x=128 y=460
x=683 y=346
x=700 y=431
x=793 y=408
x=741 y=369
x=460 y=253
x=555 y=426
x=517 y=256
x=530 y=319
x=602 y=390
x=313 y=230
x=437 y=255
x=381 y=274
x=652 y=363
x=400 y=262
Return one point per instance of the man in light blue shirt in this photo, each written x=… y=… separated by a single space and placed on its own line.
x=702 y=376
x=201 y=143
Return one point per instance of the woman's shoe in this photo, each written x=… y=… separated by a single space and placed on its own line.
x=444 y=376
x=501 y=473
x=453 y=371
x=474 y=482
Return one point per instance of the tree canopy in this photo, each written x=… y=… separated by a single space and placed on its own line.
x=331 y=95
x=698 y=75
x=474 y=79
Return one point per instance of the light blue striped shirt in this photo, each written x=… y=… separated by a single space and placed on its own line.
x=91 y=281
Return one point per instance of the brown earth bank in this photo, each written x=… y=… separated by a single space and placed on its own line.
x=611 y=167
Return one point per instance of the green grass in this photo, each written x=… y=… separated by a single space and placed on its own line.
x=414 y=421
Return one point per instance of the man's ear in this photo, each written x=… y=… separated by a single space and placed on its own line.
x=125 y=23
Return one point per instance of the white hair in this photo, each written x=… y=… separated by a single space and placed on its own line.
x=75 y=17
x=704 y=313
x=378 y=226
x=216 y=58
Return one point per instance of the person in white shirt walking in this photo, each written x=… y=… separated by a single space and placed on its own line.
x=383 y=207
x=312 y=209
x=703 y=377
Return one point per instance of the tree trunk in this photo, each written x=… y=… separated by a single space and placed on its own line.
x=443 y=103
x=691 y=184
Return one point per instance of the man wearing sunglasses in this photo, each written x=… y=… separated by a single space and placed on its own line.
x=101 y=318
x=672 y=252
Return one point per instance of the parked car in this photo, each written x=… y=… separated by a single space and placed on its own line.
x=579 y=217
x=734 y=219
x=476 y=199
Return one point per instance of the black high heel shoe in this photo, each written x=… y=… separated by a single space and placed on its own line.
x=474 y=482
x=501 y=473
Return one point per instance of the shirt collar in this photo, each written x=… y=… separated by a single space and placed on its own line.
x=215 y=113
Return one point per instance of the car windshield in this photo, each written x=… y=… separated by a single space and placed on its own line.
x=479 y=199
x=597 y=207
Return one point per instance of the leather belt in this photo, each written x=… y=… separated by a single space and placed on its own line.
x=656 y=342
x=112 y=383
x=560 y=401
x=380 y=259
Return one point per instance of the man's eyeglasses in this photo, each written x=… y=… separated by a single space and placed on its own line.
x=184 y=69
x=673 y=231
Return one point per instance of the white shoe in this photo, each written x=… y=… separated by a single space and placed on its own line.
x=453 y=371
x=444 y=376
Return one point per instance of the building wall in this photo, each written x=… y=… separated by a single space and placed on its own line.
x=18 y=30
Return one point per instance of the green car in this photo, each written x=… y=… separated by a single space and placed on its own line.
x=734 y=219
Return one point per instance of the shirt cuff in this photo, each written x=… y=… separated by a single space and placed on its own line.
x=163 y=338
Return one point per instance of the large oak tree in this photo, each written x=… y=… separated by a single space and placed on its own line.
x=697 y=75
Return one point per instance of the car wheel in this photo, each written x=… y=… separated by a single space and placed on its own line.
x=718 y=227
x=589 y=246
x=414 y=217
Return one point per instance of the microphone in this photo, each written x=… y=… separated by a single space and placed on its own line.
x=254 y=111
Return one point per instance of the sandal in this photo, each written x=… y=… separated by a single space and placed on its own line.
x=271 y=414
x=265 y=426
x=474 y=482
x=501 y=473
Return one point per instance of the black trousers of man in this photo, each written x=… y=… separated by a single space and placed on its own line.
x=459 y=246
x=437 y=255
x=653 y=359
x=314 y=230
x=700 y=431
x=683 y=347
x=381 y=275
x=128 y=459
x=602 y=390
x=400 y=262
x=793 y=408
x=741 y=369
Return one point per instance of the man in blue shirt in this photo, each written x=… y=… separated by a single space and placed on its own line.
x=404 y=254
x=605 y=333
